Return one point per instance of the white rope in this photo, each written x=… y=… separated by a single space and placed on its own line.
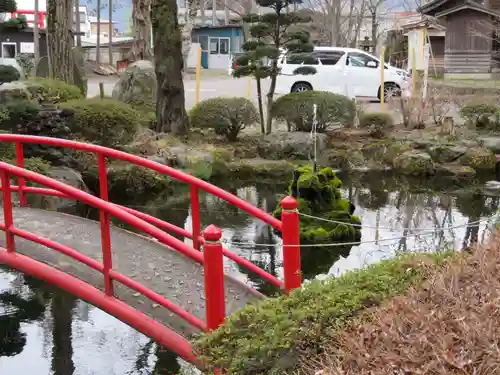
x=420 y=230
x=237 y=243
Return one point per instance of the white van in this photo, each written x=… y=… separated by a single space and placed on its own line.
x=346 y=71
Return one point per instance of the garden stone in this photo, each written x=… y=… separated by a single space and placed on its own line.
x=14 y=91
x=137 y=85
x=455 y=170
x=414 y=163
x=446 y=153
x=478 y=158
x=290 y=146
x=492 y=143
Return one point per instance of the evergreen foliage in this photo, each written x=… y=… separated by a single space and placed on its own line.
x=272 y=33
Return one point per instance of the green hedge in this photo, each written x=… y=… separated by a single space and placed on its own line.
x=297 y=110
x=227 y=116
x=269 y=337
x=106 y=122
x=53 y=91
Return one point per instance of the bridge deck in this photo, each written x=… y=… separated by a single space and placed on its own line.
x=154 y=265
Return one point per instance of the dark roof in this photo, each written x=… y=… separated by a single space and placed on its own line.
x=427 y=22
x=233 y=26
x=440 y=8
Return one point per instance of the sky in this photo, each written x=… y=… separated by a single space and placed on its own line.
x=122 y=14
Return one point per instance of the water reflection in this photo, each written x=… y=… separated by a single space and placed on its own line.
x=44 y=331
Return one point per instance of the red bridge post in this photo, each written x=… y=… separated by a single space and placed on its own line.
x=213 y=262
x=7 y=211
x=291 y=243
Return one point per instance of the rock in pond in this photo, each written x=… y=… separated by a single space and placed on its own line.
x=414 y=163
x=446 y=153
x=478 y=158
x=290 y=146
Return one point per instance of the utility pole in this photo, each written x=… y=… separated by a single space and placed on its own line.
x=214 y=12
x=98 y=41
x=36 y=35
x=226 y=12
x=110 y=32
x=78 y=23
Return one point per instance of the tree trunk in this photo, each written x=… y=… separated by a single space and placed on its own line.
x=98 y=41
x=60 y=40
x=141 y=23
x=259 y=101
x=171 y=113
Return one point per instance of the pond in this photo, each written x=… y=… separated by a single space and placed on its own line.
x=45 y=331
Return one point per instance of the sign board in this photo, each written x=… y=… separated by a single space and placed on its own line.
x=27 y=47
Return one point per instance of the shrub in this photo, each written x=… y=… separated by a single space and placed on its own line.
x=107 y=122
x=17 y=114
x=267 y=337
x=8 y=73
x=53 y=91
x=480 y=115
x=297 y=110
x=377 y=122
x=227 y=116
x=26 y=62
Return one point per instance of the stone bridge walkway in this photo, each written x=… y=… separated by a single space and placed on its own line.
x=146 y=261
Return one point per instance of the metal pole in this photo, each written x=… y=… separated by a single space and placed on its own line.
x=110 y=32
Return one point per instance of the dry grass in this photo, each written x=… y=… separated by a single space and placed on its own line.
x=450 y=325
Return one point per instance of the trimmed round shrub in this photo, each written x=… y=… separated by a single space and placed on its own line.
x=377 y=122
x=297 y=109
x=481 y=115
x=53 y=91
x=17 y=114
x=227 y=116
x=8 y=73
x=106 y=122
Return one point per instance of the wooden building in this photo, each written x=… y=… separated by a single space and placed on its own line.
x=469 y=41
x=420 y=32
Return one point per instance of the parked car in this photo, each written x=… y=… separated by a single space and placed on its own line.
x=346 y=71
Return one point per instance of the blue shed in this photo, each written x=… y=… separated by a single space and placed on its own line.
x=218 y=43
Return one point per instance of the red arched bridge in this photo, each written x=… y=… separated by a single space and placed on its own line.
x=165 y=288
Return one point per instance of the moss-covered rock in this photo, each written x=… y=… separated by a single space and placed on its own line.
x=385 y=151
x=414 y=163
x=455 y=170
x=478 y=158
x=318 y=194
x=343 y=159
x=446 y=153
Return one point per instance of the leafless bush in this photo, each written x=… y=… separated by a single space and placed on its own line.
x=450 y=325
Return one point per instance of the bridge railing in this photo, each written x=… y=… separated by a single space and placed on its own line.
x=288 y=227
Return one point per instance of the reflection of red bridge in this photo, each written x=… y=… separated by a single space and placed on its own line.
x=147 y=284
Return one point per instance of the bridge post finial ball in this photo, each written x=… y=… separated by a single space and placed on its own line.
x=212 y=233
x=289 y=203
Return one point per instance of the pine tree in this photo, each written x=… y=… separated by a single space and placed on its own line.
x=270 y=33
